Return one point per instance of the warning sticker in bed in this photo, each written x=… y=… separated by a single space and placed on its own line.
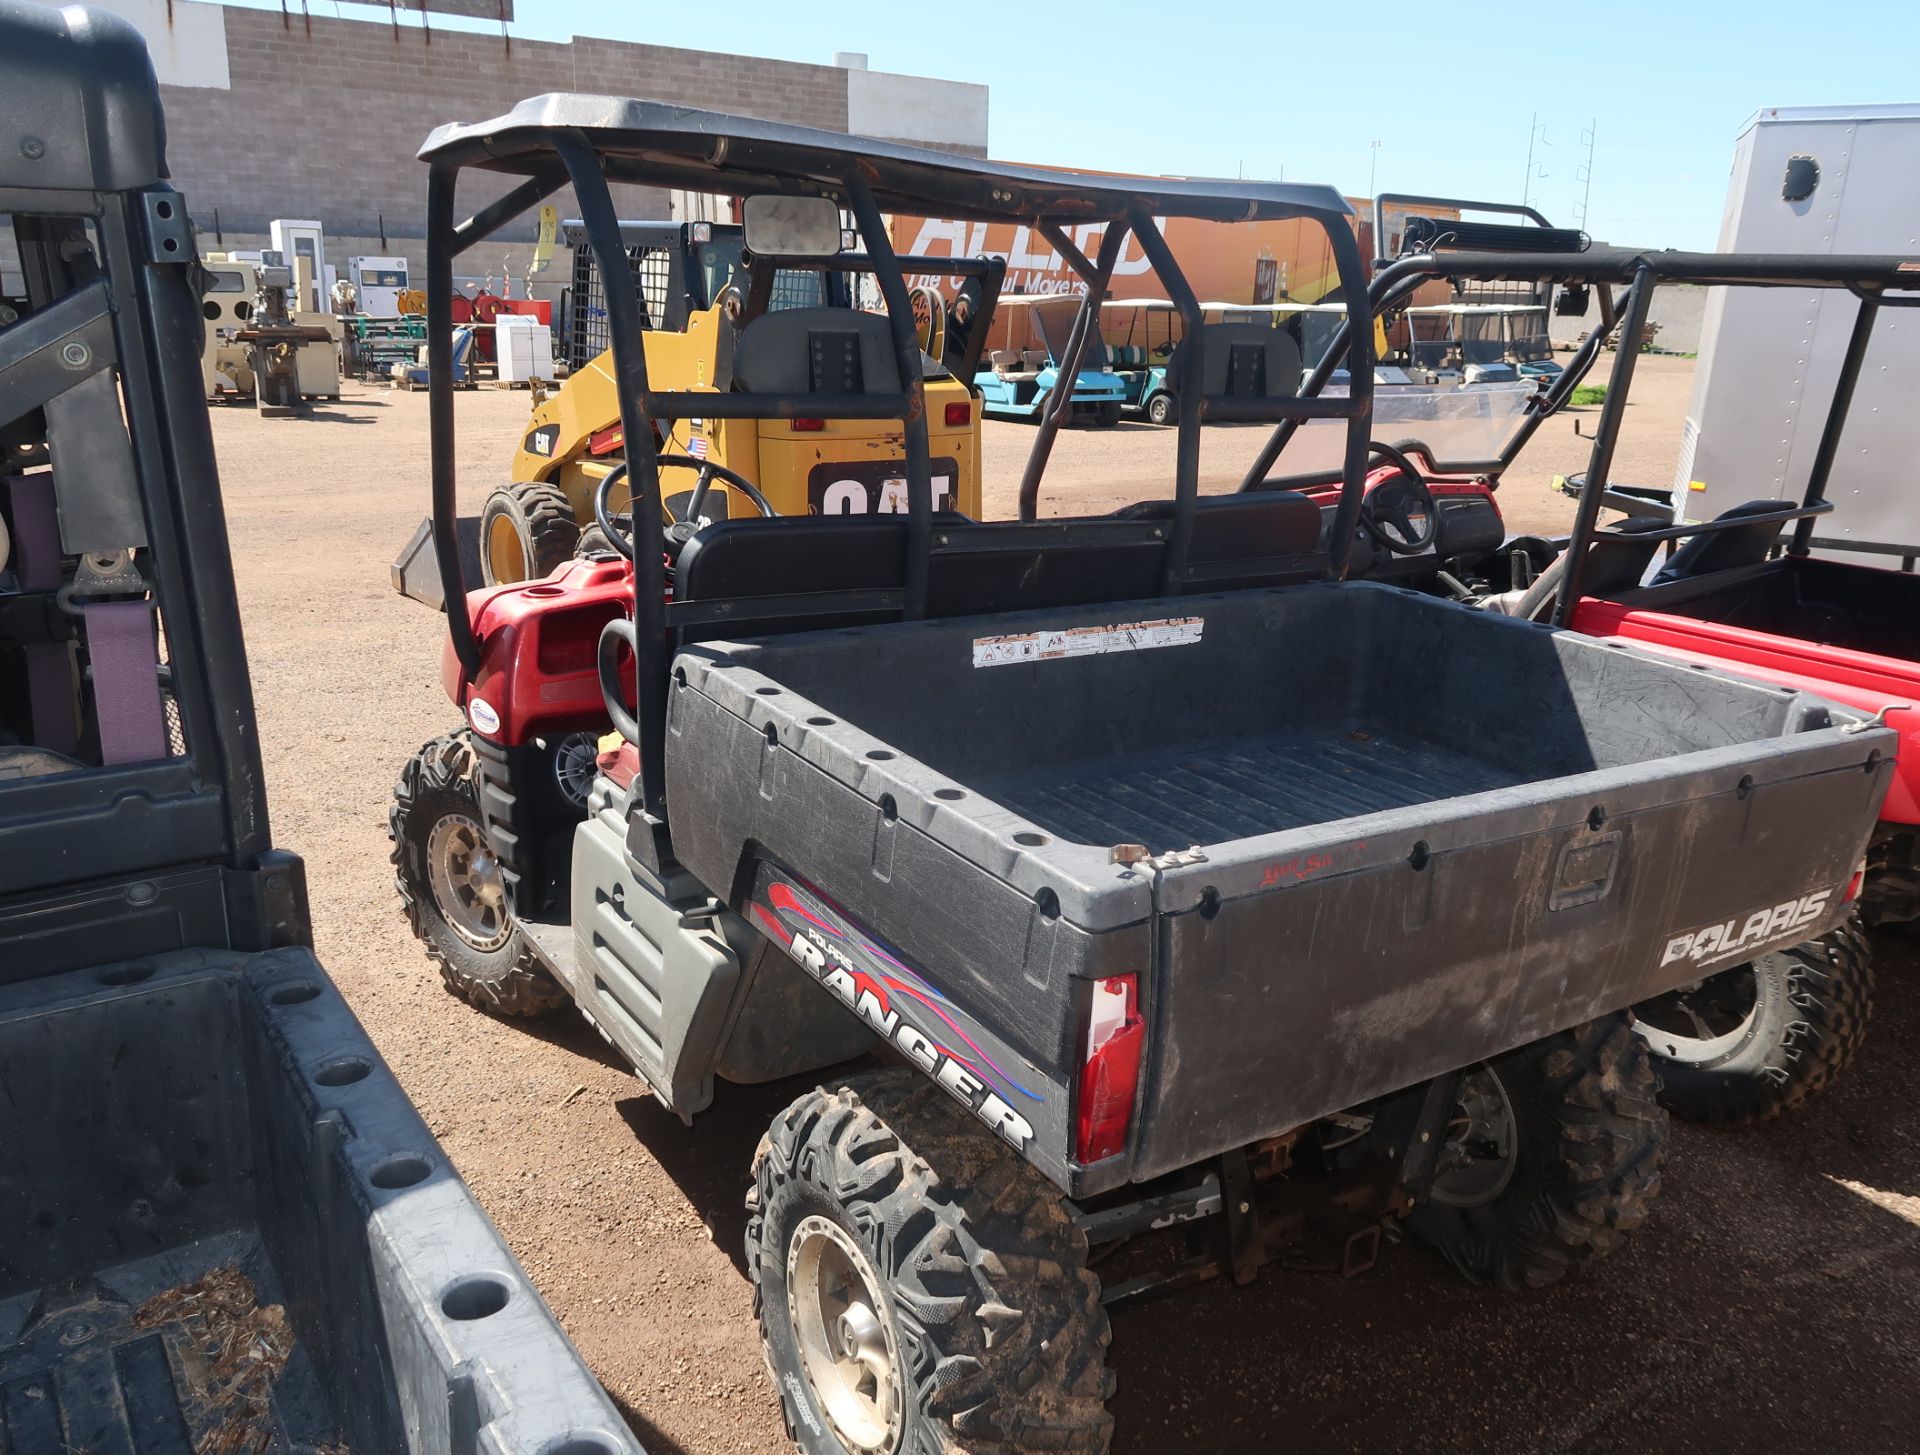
x=1087 y=641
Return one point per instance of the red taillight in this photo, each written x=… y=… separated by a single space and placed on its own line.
x=958 y=415
x=806 y=426
x=1115 y=1037
x=1853 y=884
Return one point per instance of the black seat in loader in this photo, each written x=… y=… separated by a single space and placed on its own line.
x=1243 y=361
x=816 y=351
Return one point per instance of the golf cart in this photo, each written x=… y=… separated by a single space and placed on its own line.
x=1164 y=869
x=1024 y=376
x=1480 y=343
x=1140 y=335
x=1790 y=608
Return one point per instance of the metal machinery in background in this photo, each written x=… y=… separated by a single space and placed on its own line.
x=274 y=340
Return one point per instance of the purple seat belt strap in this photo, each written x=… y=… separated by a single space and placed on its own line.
x=126 y=681
x=50 y=677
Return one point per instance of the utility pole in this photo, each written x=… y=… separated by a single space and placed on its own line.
x=1373 y=168
x=1584 y=173
x=1534 y=132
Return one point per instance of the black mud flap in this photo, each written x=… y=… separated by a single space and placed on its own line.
x=416 y=571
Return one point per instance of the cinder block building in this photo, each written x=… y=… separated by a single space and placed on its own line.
x=289 y=114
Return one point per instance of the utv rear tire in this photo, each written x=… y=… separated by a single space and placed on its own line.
x=527 y=532
x=1160 y=409
x=1106 y=416
x=989 y=1323
x=1588 y=1140
x=435 y=803
x=1809 y=1010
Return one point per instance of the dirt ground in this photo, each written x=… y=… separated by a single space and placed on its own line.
x=1768 y=1306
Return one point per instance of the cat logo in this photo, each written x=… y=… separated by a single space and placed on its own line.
x=540 y=441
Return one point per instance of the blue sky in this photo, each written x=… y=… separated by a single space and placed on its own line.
x=1450 y=90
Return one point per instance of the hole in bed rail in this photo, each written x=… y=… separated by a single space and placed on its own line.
x=949 y=795
x=294 y=994
x=766 y=691
x=1420 y=857
x=1031 y=840
x=344 y=1072
x=679 y=676
x=889 y=810
x=820 y=722
x=772 y=733
x=1597 y=816
x=1744 y=786
x=1048 y=903
x=476 y=1296
x=581 y=1445
x=404 y=1170
x=1873 y=760
x=879 y=755
x=1209 y=902
x=121 y=975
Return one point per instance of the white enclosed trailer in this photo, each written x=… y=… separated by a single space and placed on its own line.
x=1812 y=179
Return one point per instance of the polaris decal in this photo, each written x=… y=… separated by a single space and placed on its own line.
x=874 y=984
x=1721 y=941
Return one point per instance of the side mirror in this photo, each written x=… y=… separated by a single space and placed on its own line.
x=781 y=226
x=1572 y=301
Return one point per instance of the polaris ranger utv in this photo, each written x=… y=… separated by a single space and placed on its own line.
x=1176 y=879
x=223 y=1227
x=1738 y=591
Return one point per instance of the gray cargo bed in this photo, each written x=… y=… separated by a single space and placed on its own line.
x=204 y=1115
x=1210 y=791
x=1392 y=835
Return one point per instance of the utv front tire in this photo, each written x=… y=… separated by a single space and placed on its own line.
x=449 y=887
x=1160 y=409
x=920 y=1288
x=1552 y=1156
x=1752 y=1042
x=527 y=532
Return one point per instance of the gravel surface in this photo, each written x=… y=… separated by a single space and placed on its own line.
x=1769 y=1305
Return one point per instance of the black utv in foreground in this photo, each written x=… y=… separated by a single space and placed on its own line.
x=223 y=1227
x=1176 y=877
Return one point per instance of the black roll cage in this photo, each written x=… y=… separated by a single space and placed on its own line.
x=588 y=141
x=1876 y=281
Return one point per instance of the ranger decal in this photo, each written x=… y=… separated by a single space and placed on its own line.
x=830 y=950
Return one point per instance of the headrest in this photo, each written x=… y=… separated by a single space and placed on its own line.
x=1246 y=361
x=816 y=351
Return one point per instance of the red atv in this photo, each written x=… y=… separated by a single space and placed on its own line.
x=1743 y=591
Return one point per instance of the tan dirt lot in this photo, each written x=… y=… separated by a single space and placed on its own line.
x=1768 y=1306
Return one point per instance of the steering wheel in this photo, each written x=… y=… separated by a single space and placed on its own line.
x=1400 y=513
x=618 y=528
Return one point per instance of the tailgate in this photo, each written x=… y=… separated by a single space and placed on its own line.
x=1302 y=973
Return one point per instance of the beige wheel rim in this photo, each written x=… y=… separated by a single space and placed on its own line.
x=845 y=1337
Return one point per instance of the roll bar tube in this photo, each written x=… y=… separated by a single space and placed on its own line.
x=441 y=178
x=1633 y=328
x=1067 y=372
x=906 y=347
x=643 y=469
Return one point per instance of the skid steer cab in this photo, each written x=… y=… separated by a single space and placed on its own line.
x=698 y=290
x=1109 y=873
